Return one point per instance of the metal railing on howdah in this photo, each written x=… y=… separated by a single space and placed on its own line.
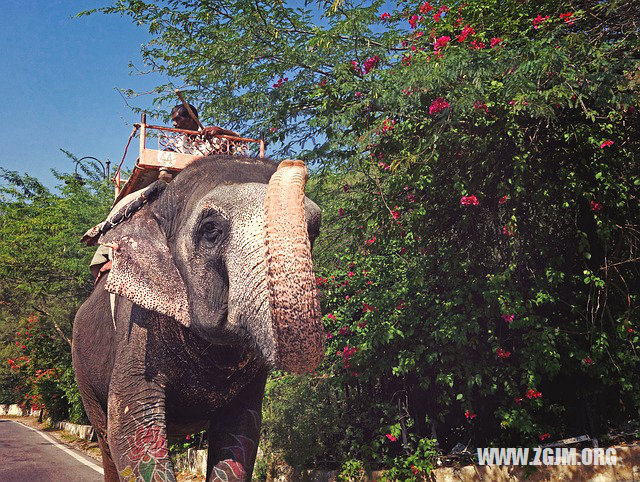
x=177 y=148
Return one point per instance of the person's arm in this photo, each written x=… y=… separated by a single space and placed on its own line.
x=217 y=131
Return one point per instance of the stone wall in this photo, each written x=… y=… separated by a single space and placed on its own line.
x=13 y=409
x=85 y=432
x=627 y=468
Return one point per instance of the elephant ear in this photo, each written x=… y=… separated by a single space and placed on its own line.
x=143 y=268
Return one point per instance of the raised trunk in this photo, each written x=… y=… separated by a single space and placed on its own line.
x=297 y=328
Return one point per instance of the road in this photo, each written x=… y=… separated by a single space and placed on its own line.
x=32 y=456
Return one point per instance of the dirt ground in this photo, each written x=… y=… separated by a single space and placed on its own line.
x=89 y=448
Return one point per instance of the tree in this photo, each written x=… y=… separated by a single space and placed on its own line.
x=478 y=167
x=43 y=279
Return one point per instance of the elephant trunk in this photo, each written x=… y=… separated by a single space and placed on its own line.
x=297 y=328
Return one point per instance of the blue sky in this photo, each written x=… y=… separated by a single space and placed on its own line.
x=59 y=76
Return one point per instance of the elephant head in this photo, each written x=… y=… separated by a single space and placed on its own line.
x=225 y=249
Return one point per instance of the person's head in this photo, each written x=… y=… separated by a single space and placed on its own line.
x=181 y=118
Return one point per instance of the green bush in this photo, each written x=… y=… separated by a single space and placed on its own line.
x=302 y=420
x=43 y=279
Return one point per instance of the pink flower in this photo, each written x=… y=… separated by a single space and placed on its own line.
x=466 y=31
x=518 y=400
x=607 y=143
x=331 y=316
x=343 y=331
x=495 y=41
x=502 y=353
x=280 y=82
x=438 y=14
x=538 y=20
x=329 y=335
x=370 y=64
x=410 y=197
x=469 y=200
x=350 y=274
x=503 y=199
x=441 y=42
x=596 y=207
x=507 y=231
x=346 y=355
x=567 y=17
x=476 y=44
x=531 y=393
x=369 y=242
x=366 y=307
x=413 y=21
x=425 y=7
x=587 y=361
x=358 y=94
x=544 y=436
x=388 y=125
x=508 y=317
x=356 y=68
x=385 y=16
x=391 y=437
x=481 y=106
x=630 y=330
x=395 y=214
x=469 y=415
x=438 y=105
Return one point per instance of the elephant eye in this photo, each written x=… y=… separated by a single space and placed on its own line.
x=210 y=231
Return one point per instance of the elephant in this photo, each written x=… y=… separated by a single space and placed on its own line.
x=211 y=287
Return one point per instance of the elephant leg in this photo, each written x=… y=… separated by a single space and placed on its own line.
x=98 y=419
x=137 y=435
x=110 y=471
x=234 y=434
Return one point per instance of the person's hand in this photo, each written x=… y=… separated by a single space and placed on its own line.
x=217 y=131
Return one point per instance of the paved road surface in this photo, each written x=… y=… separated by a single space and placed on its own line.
x=32 y=456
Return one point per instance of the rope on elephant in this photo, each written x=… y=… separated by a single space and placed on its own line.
x=91 y=237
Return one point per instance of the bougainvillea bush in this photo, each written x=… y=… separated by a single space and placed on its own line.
x=479 y=262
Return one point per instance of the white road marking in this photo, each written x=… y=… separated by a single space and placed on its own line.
x=93 y=465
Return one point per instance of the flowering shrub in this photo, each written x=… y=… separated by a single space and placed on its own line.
x=44 y=377
x=477 y=250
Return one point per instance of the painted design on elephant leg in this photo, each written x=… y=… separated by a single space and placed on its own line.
x=245 y=446
x=147 y=452
x=228 y=471
x=239 y=452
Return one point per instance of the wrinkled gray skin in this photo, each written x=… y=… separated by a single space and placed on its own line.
x=143 y=375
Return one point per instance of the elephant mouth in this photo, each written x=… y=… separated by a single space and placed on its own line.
x=217 y=330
